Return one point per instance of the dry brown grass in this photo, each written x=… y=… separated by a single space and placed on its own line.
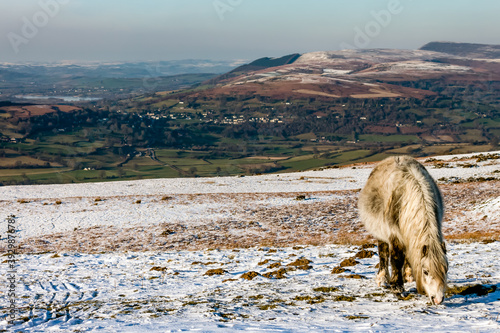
x=376 y=93
x=332 y=221
x=477 y=289
x=349 y=262
x=301 y=263
x=249 y=275
x=277 y=274
x=476 y=236
x=217 y=271
x=338 y=270
x=364 y=254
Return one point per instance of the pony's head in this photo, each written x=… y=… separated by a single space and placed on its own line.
x=433 y=271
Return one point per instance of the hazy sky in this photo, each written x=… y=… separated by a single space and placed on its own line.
x=109 y=30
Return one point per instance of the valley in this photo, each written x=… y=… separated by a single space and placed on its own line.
x=297 y=112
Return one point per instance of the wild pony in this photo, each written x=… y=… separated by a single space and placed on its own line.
x=402 y=207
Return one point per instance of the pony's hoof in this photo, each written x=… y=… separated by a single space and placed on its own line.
x=385 y=285
x=397 y=289
x=404 y=296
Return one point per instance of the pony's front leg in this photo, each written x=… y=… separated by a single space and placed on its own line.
x=408 y=273
x=397 y=263
x=382 y=278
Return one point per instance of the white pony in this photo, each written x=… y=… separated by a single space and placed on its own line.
x=402 y=207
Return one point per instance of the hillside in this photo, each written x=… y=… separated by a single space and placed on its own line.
x=259 y=64
x=290 y=113
x=356 y=74
x=283 y=252
x=466 y=50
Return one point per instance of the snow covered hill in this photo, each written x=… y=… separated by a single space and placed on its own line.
x=261 y=253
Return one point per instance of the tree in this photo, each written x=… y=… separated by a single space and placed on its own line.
x=193 y=170
x=494 y=141
x=74 y=165
x=121 y=173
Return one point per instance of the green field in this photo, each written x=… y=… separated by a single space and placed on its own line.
x=173 y=163
x=389 y=138
x=138 y=137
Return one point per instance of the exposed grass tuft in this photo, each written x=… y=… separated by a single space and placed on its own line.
x=301 y=263
x=278 y=274
x=338 y=270
x=349 y=262
x=274 y=265
x=309 y=299
x=326 y=289
x=478 y=289
x=250 y=275
x=167 y=232
x=357 y=317
x=217 y=271
x=158 y=268
x=343 y=298
x=355 y=276
x=364 y=254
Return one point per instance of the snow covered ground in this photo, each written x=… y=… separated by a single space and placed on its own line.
x=40 y=215
x=170 y=291
x=89 y=280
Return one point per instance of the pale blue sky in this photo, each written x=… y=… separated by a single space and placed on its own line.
x=109 y=30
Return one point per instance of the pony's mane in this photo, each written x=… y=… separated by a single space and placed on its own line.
x=420 y=219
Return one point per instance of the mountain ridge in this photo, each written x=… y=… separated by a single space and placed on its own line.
x=467 y=50
x=359 y=73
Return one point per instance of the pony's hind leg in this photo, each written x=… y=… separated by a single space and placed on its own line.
x=397 y=263
x=382 y=278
